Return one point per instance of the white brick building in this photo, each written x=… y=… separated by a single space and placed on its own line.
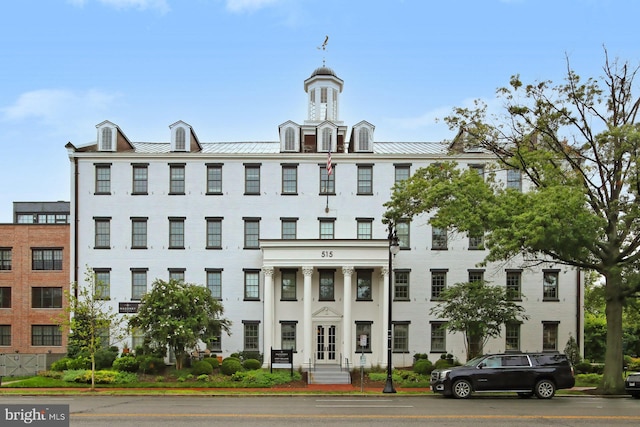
x=299 y=258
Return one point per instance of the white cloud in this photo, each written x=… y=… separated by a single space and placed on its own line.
x=160 y=5
x=248 y=5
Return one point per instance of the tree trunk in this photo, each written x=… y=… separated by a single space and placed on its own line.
x=612 y=381
x=93 y=371
x=474 y=346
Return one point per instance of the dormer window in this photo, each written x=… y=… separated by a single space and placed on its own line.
x=326 y=139
x=289 y=137
x=107 y=136
x=180 y=139
x=363 y=140
x=362 y=137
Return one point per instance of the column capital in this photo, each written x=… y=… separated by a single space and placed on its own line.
x=307 y=271
x=347 y=270
x=384 y=270
x=268 y=271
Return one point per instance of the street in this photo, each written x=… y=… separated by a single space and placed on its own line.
x=363 y=410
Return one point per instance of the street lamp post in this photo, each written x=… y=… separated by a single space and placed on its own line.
x=394 y=248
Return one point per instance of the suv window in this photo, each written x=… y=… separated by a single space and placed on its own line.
x=515 y=361
x=549 y=359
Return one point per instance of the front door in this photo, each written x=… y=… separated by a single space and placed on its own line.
x=326 y=343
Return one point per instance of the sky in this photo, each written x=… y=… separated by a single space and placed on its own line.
x=234 y=69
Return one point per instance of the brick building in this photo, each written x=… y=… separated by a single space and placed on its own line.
x=34 y=276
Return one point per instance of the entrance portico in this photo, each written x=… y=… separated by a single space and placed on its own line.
x=325 y=318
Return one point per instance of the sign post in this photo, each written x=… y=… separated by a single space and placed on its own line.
x=282 y=359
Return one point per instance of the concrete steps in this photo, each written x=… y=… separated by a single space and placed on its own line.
x=328 y=374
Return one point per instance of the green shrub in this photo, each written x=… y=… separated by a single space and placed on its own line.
x=442 y=363
x=79 y=362
x=597 y=368
x=423 y=366
x=251 y=364
x=150 y=364
x=633 y=364
x=583 y=368
x=230 y=366
x=126 y=364
x=419 y=356
x=60 y=364
x=105 y=357
x=201 y=367
x=203 y=378
x=213 y=361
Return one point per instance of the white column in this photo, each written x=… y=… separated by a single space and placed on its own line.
x=382 y=357
x=347 y=273
x=269 y=310
x=307 y=325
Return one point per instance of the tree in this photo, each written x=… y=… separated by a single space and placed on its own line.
x=178 y=315
x=90 y=319
x=577 y=144
x=478 y=311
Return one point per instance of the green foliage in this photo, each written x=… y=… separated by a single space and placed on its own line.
x=633 y=364
x=100 y=377
x=60 y=364
x=201 y=367
x=263 y=378
x=105 y=357
x=572 y=350
x=213 y=361
x=251 y=364
x=150 y=364
x=126 y=364
x=203 y=378
x=419 y=356
x=79 y=362
x=246 y=355
x=442 y=363
x=178 y=315
x=230 y=366
x=595 y=334
x=588 y=380
x=423 y=366
x=582 y=368
x=479 y=311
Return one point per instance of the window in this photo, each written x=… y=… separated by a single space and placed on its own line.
x=365 y=226
x=365 y=179
x=402 y=173
x=401 y=286
x=363 y=337
x=439 y=238
x=214 y=283
x=140 y=179
x=288 y=287
x=46 y=259
x=513 y=289
x=251 y=285
x=137 y=338
x=176 y=233
x=176 y=274
x=550 y=286
x=5 y=297
x=479 y=169
x=512 y=337
x=326 y=228
x=5 y=258
x=103 y=179
x=138 y=283
x=514 y=179
x=476 y=241
x=214 y=233
x=549 y=336
x=289 y=179
x=5 y=335
x=327 y=181
x=176 y=179
x=103 y=233
x=438 y=283
x=289 y=139
x=46 y=297
x=107 y=139
x=251 y=336
x=103 y=284
x=363 y=140
x=401 y=337
x=216 y=343
x=180 y=139
x=214 y=179
x=251 y=233
x=289 y=228
x=364 y=289
x=327 y=136
x=476 y=276
x=438 y=337
x=326 y=286
x=252 y=179
x=46 y=335
x=288 y=335
x=138 y=233
x=402 y=231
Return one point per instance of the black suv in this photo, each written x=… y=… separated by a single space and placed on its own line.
x=523 y=373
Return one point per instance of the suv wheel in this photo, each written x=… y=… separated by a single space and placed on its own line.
x=461 y=389
x=545 y=389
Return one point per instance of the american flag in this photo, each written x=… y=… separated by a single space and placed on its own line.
x=329 y=168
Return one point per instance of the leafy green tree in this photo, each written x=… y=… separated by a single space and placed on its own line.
x=90 y=320
x=577 y=145
x=179 y=315
x=479 y=311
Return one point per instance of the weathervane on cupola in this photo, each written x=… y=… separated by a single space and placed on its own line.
x=323 y=47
